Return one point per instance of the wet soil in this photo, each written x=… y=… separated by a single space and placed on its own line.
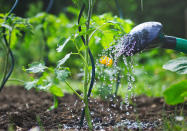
x=23 y=110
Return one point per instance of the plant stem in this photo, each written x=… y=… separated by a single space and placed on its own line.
x=14 y=79
x=87 y=111
x=7 y=55
x=117 y=83
x=141 y=5
x=55 y=103
x=5 y=66
x=39 y=122
x=67 y=83
x=7 y=43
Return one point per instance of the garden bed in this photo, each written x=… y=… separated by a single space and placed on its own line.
x=21 y=109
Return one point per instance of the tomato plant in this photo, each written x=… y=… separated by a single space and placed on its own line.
x=106 y=30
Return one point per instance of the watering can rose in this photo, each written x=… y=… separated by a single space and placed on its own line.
x=105 y=60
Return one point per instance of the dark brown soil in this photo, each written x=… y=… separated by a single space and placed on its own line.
x=23 y=110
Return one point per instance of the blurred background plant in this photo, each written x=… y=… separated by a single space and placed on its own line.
x=168 y=12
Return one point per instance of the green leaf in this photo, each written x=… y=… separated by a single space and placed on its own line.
x=62 y=61
x=61 y=47
x=178 y=65
x=36 y=67
x=6 y=26
x=62 y=74
x=45 y=87
x=31 y=84
x=56 y=91
x=176 y=94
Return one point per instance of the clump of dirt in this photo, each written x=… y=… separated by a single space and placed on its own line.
x=24 y=110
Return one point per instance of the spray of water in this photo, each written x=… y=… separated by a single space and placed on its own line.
x=126 y=46
x=125 y=49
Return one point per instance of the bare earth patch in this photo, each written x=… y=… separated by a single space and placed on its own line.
x=24 y=110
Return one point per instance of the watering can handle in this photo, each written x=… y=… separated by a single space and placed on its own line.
x=175 y=43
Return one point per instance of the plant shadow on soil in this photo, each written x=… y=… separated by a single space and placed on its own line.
x=21 y=109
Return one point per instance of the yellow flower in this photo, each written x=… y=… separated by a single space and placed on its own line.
x=106 y=61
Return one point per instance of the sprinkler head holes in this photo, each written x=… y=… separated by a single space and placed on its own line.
x=140 y=37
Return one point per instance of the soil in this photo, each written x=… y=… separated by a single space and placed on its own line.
x=23 y=110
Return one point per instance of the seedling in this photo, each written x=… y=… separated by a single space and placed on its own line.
x=47 y=82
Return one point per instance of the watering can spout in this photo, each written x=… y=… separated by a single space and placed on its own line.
x=149 y=35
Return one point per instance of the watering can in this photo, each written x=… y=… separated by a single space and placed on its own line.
x=147 y=35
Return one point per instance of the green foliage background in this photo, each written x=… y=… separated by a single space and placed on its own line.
x=169 y=12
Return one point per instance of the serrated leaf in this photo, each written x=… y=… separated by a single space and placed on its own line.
x=178 y=65
x=31 y=84
x=62 y=61
x=36 y=67
x=176 y=94
x=56 y=91
x=61 y=47
x=62 y=74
